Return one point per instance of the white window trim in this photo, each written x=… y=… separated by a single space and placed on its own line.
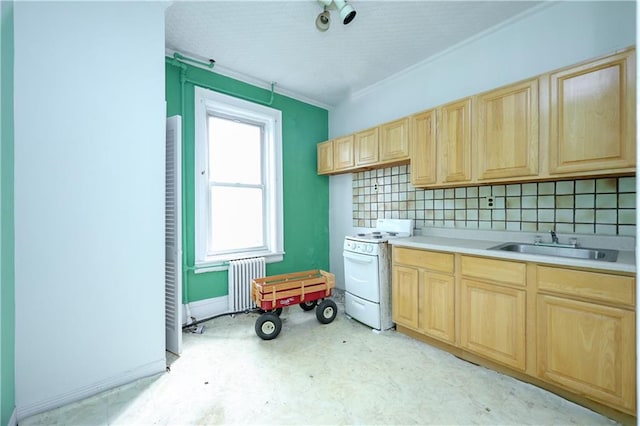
x=207 y=101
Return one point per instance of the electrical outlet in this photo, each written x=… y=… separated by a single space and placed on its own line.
x=375 y=187
x=487 y=202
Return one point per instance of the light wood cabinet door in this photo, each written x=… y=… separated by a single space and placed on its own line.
x=493 y=322
x=424 y=158
x=592 y=116
x=437 y=317
x=404 y=296
x=343 y=153
x=366 y=147
x=507 y=131
x=454 y=136
x=588 y=349
x=325 y=157
x=394 y=140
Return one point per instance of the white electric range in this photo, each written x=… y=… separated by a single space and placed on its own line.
x=367 y=270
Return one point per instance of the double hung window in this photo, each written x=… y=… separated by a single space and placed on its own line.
x=238 y=179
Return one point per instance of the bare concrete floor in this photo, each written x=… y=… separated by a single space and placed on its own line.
x=340 y=373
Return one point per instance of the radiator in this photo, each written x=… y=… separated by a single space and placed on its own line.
x=241 y=273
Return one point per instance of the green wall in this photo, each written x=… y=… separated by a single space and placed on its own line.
x=7 y=277
x=306 y=195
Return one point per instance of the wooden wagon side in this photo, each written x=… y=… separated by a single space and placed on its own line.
x=278 y=291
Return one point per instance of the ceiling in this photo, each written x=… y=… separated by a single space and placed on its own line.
x=277 y=41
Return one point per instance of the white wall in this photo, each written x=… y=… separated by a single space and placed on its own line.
x=547 y=38
x=89 y=198
x=550 y=37
x=340 y=201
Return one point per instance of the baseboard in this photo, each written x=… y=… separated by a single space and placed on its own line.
x=206 y=308
x=147 y=370
x=13 y=420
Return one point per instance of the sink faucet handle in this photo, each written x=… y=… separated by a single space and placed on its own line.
x=537 y=239
x=573 y=242
x=554 y=237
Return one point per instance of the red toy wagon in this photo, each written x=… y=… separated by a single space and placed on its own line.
x=309 y=289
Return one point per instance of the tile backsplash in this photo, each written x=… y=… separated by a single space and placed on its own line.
x=586 y=206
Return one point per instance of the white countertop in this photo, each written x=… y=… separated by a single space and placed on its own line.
x=478 y=243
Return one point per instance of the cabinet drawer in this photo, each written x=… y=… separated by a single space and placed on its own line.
x=592 y=285
x=432 y=260
x=495 y=270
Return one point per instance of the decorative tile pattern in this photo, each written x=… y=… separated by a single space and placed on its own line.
x=586 y=206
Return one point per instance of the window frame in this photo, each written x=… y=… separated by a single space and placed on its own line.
x=207 y=103
x=262 y=186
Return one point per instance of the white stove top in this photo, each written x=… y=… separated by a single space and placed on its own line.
x=385 y=229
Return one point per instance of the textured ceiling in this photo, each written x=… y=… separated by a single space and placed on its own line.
x=277 y=41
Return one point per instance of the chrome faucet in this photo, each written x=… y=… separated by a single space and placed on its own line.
x=573 y=242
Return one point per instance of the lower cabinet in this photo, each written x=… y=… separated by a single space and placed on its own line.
x=587 y=348
x=404 y=296
x=493 y=309
x=586 y=334
x=437 y=316
x=573 y=329
x=423 y=292
x=493 y=322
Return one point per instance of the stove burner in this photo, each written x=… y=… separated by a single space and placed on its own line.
x=377 y=235
x=361 y=235
x=376 y=232
x=392 y=234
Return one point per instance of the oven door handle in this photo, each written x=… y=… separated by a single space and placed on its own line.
x=358 y=258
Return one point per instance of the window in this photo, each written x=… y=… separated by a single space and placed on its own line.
x=238 y=180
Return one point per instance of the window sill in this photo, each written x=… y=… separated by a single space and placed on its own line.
x=222 y=263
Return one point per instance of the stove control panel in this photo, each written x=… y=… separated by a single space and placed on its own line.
x=361 y=247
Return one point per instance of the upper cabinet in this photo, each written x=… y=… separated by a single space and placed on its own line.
x=441 y=145
x=335 y=155
x=507 y=131
x=343 y=153
x=575 y=122
x=454 y=136
x=424 y=148
x=325 y=157
x=382 y=145
x=366 y=147
x=592 y=116
x=394 y=141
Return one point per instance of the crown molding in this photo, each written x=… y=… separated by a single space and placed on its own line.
x=248 y=79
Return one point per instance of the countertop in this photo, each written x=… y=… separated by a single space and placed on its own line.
x=478 y=243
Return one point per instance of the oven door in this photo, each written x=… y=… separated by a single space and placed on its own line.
x=361 y=276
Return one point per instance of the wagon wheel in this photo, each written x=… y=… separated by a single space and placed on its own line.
x=307 y=306
x=326 y=311
x=268 y=326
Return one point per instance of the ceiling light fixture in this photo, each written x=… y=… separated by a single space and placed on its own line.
x=323 y=20
x=347 y=13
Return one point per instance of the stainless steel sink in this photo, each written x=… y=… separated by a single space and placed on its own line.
x=604 y=255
